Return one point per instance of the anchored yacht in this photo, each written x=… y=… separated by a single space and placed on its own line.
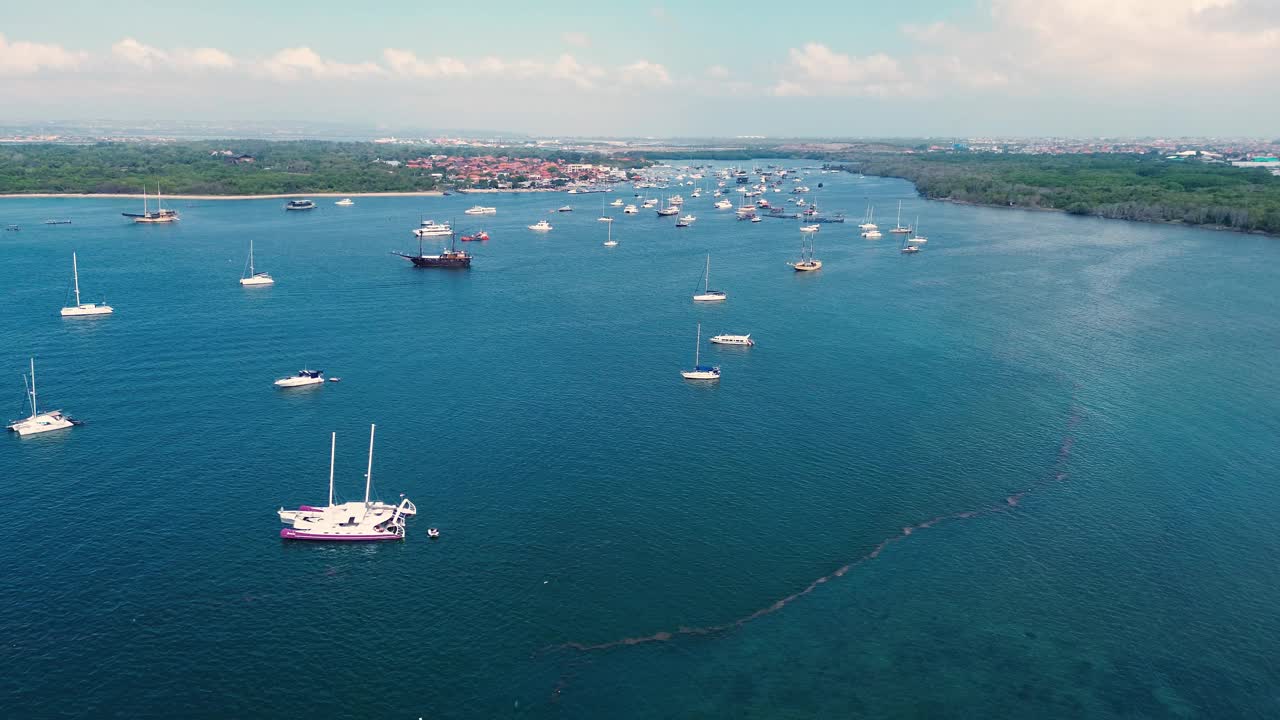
x=481 y=210
x=700 y=371
x=541 y=226
x=39 y=422
x=741 y=340
x=303 y=378
x=355 y=521
x=252 y=278
x=83 y=309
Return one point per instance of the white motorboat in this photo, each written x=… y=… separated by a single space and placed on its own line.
x=83 y=309
x=345 y=202
x=723 y=204
x=480 y=210
x=630 y=210
x=616 y=203
x=39 y=422
x=299 y=205
x=700 y=371
x=872 y=234
x=686 y=220
x=649 y=203
x=675 y=201
x=810 y=228
x=354 y=521
x=740 y=340
x=430 y=228
x=755 y=218
x=541 y=226
x=303 y=378
x=252 y=278
x=707 y=294
x=566 y=208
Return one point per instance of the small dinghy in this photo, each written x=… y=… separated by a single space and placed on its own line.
x=433 y=533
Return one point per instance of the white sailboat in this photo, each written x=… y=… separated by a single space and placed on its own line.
x=700 y=371
x=917 y=238
x=83 y=309
x=707 y=294
x=870 y=219
x=610 y=242
x=898 y=227
x=39 y=422
x=252 y=278
x=350 y=521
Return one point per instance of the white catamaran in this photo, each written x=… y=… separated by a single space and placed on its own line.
x=39 y=422
x=83 y=309
x=350 y=521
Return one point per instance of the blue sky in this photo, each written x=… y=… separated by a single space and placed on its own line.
x=911 y=67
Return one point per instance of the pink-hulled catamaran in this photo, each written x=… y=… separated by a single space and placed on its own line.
x=350 y=521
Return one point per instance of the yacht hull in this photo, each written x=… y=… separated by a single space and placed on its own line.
x=86 y=310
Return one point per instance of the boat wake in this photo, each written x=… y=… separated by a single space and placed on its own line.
x=1058 y=473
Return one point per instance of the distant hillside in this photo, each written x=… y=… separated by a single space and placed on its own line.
x=1126 y=187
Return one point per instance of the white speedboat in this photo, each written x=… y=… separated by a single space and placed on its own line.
x=345 y=202
x=686 y=221
x=872 y=234
x=741 y=340
x=707 y=294
x=303 y=378
x=700 y=371
x=541 y=226
x=83 y=309
x=630 y=210
x=252 y=278
x=480 y=210
x=723 y=204
x=755 y=218
x=39 y=422
x=566 y=208
x=616 y=203
x=810 y=228
x=353 y=521
x=430 y=228
x=649 y=203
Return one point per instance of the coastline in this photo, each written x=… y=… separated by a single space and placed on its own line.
x=282 y=196
x=278 y=196
x=1035 y=208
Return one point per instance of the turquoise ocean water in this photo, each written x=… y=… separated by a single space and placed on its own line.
x=1029 y=472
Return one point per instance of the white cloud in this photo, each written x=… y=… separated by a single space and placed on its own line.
x=645 y=73
x=405 y=62
x=22 y=58
x=576 y=39
x=292 y=63
x=718 y=72
x=817 y=70
x=567 y=67
x=148 y=57
x=1082 y=49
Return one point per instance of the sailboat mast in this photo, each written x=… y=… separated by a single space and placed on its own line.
x=75 y=273
x=706 y=276
x=368 y=474
x=333 y=446
x=250 y=257
x=697 y=349
x=33 y=387
x=144 y=201
x=899 y=221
